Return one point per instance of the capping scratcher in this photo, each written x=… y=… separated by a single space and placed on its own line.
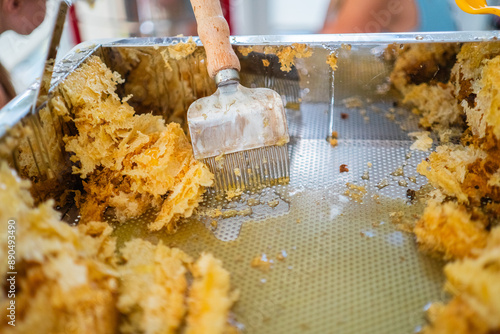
x=240 y=133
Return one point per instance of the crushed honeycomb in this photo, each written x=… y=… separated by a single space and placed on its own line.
x=71 y=279
x=153 y=287
x=450 y=230
x=439 y=109
x=475 y=286
x=165 y=80
x=128 y=162
x=54 y=261
x=460 y=221
x=210 y=298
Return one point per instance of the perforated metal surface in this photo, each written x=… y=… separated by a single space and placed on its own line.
x=346 y=268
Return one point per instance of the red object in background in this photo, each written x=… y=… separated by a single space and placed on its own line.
x=226 y=11
x=73 y=22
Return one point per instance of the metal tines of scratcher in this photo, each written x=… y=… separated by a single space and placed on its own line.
x=39 y=143
x=241 y=133
x=255 y=74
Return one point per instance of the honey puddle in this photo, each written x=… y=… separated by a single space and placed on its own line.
x=335 y=265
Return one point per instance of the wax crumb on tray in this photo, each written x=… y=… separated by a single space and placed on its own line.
x=214 y=224
x=245 y=50
x=398 y=171
x=288 y=54
x=403 y=183
x=128 y=161
x=423 y=141
x=282 y=255
x=274 y=203
x=346 y=46
x=343 y=168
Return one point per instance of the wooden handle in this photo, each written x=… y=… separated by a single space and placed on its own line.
x=214 y=34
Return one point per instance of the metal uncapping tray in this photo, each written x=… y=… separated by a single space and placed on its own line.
x=339 y=264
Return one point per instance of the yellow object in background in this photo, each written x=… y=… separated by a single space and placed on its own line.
x=477 y=7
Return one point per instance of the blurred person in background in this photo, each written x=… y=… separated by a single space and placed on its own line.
x=21 y=16
x=372 y=16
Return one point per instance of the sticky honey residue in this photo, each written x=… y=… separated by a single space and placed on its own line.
x=332 y=61
x=265 y=122
x=274 y=203
x=403 y=183
x=281 y=256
